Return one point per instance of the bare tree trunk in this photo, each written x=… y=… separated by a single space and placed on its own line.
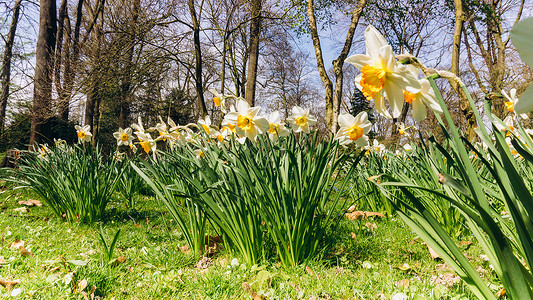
x=42 y=91
x=128 y=64
x=333 y=98
x=5 y=75
x=93 y=95
x=198 y=59
x=339 y=63
x=255 y=31
x=320 y=64
x=456 y=49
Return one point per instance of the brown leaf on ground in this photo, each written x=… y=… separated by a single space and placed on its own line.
x=446 y=279
x=415 y=240
x=185 y=249
x=138 y=225
x=465 y=244
x=363 y=214
x=371 y=226
x=432 y=252
x=16 y=244
x=82 y=285
x=246 y=286
x=501 y=293
x=9 y=284
x=24 y=252
x=354 y=236
x=90 y=295
x=23 y=209
x=443 y=267
x=295 y=286
x=404 y=283
x=309 y=270
x=31 y=202
x=204 y=263
x=119 y=260
x=213 y=244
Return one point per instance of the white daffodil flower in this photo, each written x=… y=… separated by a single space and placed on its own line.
x=353 y=129
x=205 y=123
x=246 y=120
x=377 y=146
x=147 y=143
x=138 y=127
x=84 y=133
x=301 y=119
x=277 y=128
x=522 y=37
x=123 y=136
x=382 y=75
x=512 y=99
x=425 y=97
x=219 y=99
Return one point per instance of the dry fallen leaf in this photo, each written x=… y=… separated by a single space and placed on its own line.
x=82 y=285
x=8 y=284
x=432 y=252
x=91 y=295
x=309 y=270
x=354 y=236
x=371 y=226
x=31 y=202
x=24 y=252
x=23 y=209
x=443 y=267
x=501 y=293
x=119 y=260
x=404 y=283
x=204 y=263
x=446 y=279
x=364 y=214
x=185 y=249
x=255 y=296
x=213 y=244
x=16 y=244
x=465 y=244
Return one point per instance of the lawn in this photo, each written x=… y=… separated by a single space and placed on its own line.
x=67 y=260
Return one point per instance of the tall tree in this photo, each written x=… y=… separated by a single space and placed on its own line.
x=333 y=97
x=42 y=91
x=5 y=75
x=198 y=58
x=255 y=32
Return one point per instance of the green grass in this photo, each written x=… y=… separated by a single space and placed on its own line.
x=155 y=268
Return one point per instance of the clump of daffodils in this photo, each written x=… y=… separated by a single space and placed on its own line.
x=301 y=120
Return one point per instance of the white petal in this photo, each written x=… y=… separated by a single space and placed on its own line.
x=379 y=103
x=262 y=124
x=359 y=60
x=404 y=79
x=274 y=117
x=253 y=111
x=346 y=120
x=242 y=107
x=419 y=109
x=387 y=58
x=525 y=102
x=361 y=118
x=395 y=97
x=373 y=41
x=362 y=141
x=522 y=37
x=298 y=111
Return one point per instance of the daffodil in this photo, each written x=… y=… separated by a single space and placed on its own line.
x=84 y=133
x=138 y=127
x=147 y=143
x=246 y=120
x=205 y=123
x=199 y=153
x=381 y=75
x=219 y=99
x=277 y=128
x=353 y=129
x=301 y=119
x=425 y=97
x=377 y=146
x=511 y=102
x=43 y=151
x=522 y=37
x=123 y=136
